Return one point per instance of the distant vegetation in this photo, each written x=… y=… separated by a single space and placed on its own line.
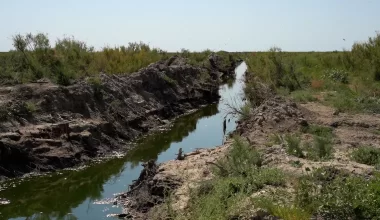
x=347 y=80
x=68 y=59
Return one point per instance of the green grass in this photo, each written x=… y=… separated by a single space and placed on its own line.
x=285 y=212
x=31 y=107
x=293 y=144
x=318 y=130
x=353 y=75
x=366 y=155
x=303 y=96
x=241 y=160
x=169 y=80
x=339 y=196
x=245 y=111
x=320 y=149
x=328 y=193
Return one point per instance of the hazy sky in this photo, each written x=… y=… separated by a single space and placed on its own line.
x=232 y=25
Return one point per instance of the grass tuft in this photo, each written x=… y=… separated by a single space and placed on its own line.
x=366 y=155
x=293 y=144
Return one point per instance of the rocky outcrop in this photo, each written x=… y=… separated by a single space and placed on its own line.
x=45 y=127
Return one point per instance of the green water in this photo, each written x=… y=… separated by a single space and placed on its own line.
x=81 y=194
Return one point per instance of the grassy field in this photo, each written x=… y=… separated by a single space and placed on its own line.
x=347 y=80
x=34 y=57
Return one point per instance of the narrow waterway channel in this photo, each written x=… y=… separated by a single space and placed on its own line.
x=79 y=194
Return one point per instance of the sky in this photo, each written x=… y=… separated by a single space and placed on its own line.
x=231 y=25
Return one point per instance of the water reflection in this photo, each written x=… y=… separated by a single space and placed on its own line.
x=59 y=194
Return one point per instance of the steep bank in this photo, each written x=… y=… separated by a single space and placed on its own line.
x=46 y=127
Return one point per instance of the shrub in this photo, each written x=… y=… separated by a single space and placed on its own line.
x=321 y=149
x=367 y=155
x=337 y=75
x=281 y=211
x=30 y=107
x=293 y=144
x=321 y=131
x=245 y=110
x=349 y=198
x=241 y=160
x=303 y=96
x=169 y=80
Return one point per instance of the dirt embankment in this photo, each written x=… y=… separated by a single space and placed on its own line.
x=44 y=127
x=274 y=116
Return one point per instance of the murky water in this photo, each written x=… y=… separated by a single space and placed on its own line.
x=81 y=194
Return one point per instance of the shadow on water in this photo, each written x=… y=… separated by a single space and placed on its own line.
x=70 y=195
x=147 y=148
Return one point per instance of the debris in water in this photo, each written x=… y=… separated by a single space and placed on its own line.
x=120 y=215
x=4 y=201
x=105 y=201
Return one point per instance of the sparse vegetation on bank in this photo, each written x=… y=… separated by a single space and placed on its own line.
x=237 y=177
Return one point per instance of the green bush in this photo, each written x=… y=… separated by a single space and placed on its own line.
x=321 y=131
x=30 y=107
x=367 y=155
x=169 y=80
x=293 y=144
x=245 y=110
x=285 y=212
x=338 y=75
x=340 y=198
x=241 y=160
x=321 y=149
x=303 y=96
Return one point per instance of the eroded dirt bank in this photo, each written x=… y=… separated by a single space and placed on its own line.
x=45 y=127
x=274 y=116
